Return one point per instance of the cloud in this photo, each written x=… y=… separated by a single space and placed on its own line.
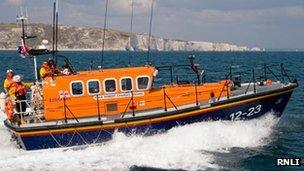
x=277 y=14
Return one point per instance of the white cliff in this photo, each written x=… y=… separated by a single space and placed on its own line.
x=87 y=38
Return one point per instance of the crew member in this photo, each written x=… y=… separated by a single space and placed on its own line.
x=20 y=94
x=52 y=67
x=8 y=80
x=65 y=70
x=212 y=98
x=45 y=70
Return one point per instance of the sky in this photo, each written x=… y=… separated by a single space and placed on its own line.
x=270 y=24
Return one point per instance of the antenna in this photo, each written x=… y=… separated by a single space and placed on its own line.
x=150 y=30
x=27 y=21
x=104 y=32
x=54 y=20
x=22 y=18
x=131 y=30
x=56 y=43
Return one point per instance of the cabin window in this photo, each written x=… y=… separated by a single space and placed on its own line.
x=142 y=83
x=110 y=85
x=93 y=87
x=126 y=84
x=77 y=88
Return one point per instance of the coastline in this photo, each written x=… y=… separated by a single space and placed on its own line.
x=115 y=50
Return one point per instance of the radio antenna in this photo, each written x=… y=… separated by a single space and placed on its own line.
x=23 y=19
x=104 y=32
x=150 y=30
x=54 y=21
x=131 y=31
x=56 y=31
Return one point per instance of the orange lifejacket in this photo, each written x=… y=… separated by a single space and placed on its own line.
x=9 y=109
x=21 y=89
x=12 y=89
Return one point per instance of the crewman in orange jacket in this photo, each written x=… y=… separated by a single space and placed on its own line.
x=19 y=89
x=15 y=86
x=8 y=80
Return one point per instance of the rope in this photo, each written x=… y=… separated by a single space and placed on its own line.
x=83 y=139
x=97 y=138
x=55 y=139
x=57 y=142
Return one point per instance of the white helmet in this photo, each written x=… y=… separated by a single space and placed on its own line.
x=9 y=70
x=17 y=78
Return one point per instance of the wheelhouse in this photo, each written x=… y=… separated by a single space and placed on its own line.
x=112 y=86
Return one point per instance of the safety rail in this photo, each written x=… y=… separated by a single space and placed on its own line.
x=29 y=113
x=65 y=112
x=131 y=107
x=267 y=69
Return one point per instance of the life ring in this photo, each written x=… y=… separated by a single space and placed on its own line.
x=9 y=109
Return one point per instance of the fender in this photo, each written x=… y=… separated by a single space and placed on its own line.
x=9 y=109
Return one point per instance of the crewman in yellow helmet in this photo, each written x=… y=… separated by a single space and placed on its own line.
x=8 y=80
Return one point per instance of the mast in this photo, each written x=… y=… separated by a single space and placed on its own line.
x=24 y=48
x=150 y=30
x=131 y=30
x=22 y=19
x=54 y=20
x=56 y=31
x=104 y=32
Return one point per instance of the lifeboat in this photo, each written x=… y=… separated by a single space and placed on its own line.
x=87 y=107
x=69 y=108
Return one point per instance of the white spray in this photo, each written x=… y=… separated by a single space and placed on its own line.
x=186 y=147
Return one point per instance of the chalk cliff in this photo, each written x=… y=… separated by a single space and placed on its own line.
x=89 y=38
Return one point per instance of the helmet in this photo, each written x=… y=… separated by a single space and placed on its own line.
x=17 y=78
x=9 y=71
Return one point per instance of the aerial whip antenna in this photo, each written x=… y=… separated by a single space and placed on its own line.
x=150 y=30
x=131 y=31
x=56 y=31
x=104 y=32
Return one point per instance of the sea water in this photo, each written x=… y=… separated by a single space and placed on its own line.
x=240 y=145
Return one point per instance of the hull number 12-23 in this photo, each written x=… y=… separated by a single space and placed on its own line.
x=250 y=112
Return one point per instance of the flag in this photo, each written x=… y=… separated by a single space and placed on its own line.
x=23 y=50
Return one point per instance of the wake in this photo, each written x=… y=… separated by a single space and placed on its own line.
x=187 y=147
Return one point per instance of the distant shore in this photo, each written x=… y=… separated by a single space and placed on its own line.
x=94 y=50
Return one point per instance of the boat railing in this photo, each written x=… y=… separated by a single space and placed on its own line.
x=27 y=112
x=167 y=102
x=65 y=107
x=268 y=73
